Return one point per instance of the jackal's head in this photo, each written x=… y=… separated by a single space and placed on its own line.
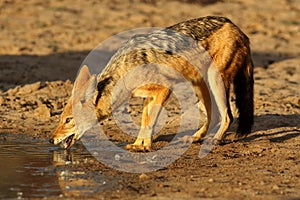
x=80 y=108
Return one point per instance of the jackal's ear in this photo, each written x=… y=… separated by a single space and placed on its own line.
x=83 y=76
x=91 y=86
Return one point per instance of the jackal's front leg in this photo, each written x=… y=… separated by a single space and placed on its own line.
x=155 y=97
x=144 y=139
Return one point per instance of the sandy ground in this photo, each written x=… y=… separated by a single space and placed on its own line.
x=44 y=42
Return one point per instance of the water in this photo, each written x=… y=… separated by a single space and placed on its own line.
x=36 y=169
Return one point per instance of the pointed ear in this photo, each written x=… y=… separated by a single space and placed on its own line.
x=83 y=76
x=91 y=86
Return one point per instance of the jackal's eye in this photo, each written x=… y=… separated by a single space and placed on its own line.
x=68 y=119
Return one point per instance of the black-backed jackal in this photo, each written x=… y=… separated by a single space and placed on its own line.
x=228 y=48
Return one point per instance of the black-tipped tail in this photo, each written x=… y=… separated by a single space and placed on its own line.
x=243 y=87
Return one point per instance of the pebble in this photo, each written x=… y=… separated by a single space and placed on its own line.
x=13 y=91
x=29 y=88
x=42 y=111
x=2 y=100
x=211 y=180
x=117 y=157
x=275 y=187
x=144 y=177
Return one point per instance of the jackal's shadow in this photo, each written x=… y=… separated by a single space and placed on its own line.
x=275 y=127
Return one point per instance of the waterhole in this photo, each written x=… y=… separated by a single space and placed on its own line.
x=37 y=169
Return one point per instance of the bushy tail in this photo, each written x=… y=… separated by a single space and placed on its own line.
x=243 y=88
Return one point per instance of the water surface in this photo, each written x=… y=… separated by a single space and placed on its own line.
x=37 y=169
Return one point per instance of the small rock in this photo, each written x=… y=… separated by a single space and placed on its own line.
x=2 y=100
x=274 y=150
x=275 y=187
x=29 y=88
x=257 y=150
x=23 y=103
x=42 y=111
x=262 y=183
x=211 y=180
x=117 y=157
x=13 y=91
x=144 y=177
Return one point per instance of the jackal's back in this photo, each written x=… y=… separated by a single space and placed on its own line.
x=212 y=33
x=201 y=28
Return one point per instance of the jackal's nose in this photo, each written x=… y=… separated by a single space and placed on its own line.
x=51 y=141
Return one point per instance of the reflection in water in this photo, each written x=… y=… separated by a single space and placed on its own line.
x=74 y=182
x=26 y=170
x=34 y=169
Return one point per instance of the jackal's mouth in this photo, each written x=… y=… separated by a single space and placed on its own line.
x=69 y=141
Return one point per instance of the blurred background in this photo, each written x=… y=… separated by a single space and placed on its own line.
x=48 y=40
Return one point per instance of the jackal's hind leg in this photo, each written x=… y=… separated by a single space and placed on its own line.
x=220 y=93
x=204 y=99
x=226 y=118
x=215 y=99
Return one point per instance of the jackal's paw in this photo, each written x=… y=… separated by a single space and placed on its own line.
x=230 y=137
x=200 y=135
x=138 y=148
x=197 y=139
x=217 y=141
